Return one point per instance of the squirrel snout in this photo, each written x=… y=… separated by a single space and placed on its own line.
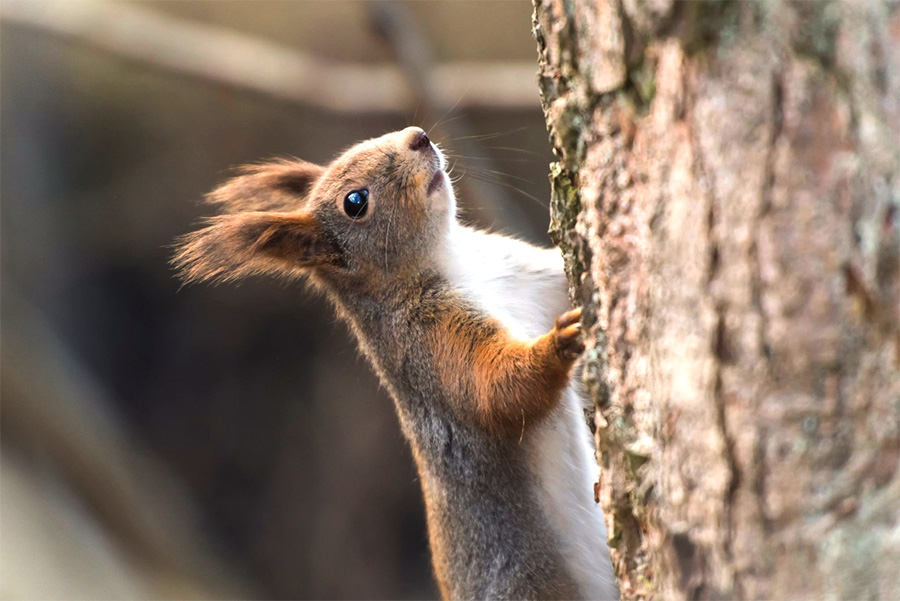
x=419 y=139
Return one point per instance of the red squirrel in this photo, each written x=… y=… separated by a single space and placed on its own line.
x=470 y=333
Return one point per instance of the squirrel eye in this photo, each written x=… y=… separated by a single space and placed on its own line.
x=356 y=203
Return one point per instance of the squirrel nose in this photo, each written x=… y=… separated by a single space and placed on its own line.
x=419 y=140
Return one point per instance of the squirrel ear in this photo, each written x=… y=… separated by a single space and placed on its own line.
x=234 y=246
x=280 y=185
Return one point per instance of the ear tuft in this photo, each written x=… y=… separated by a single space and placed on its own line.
x=280 y=185
x=233 y=246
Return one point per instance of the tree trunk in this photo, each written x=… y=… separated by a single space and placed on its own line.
x=727 y=198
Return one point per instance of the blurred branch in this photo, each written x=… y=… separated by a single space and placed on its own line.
x=245 y=62
x=395 y=23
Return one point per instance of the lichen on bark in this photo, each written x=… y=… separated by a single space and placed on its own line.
x=565 y=206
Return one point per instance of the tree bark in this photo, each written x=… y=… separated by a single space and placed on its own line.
x=727 y=198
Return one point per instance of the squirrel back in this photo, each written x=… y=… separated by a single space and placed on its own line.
x=469 y=333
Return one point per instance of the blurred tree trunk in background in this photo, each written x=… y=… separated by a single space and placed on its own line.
x=727 y=199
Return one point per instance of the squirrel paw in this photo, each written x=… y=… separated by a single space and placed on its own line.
x=567 y=332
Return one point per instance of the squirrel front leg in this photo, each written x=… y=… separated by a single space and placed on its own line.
x=503 y=384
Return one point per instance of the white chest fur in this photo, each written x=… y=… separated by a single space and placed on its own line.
x=525 y=288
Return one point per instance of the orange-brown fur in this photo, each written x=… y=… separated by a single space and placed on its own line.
x=273 y=186
x=500 y=383
x=233 y=246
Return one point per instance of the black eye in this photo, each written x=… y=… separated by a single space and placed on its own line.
x=356 y=203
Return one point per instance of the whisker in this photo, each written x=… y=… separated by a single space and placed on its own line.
x=416 y=114
x=498 y=159
x=452 y=108
x=387 y=234
x=489 y=136
x=378 y=148
x=512 y=149
x=482 y=170
x=446 y=121
x=543 y=204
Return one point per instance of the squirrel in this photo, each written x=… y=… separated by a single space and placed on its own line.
x=468 y=331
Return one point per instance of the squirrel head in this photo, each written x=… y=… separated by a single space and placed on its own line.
x=379 y=210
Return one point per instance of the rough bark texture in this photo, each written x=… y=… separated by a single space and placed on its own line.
x=727 y=198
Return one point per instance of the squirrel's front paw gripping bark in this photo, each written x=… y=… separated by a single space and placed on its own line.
x=514 y=381
x=567 y=335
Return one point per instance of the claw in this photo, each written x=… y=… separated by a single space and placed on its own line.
x=568 y=318
x=568 y=334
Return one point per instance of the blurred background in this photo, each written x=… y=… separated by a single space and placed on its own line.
x=222 y=441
